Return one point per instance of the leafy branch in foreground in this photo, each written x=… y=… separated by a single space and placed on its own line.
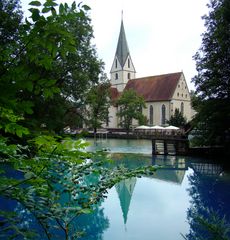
x=61 y=183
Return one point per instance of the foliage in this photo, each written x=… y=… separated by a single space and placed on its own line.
x=75 y=74
x=213 y=227
x=213 y=79
x=51 y=56
x=10 y=21
x=130 y=105
x=53 y=180
x=62 y=183
x=208 y=215
x=177 y=119
x=98 y=103
x=27 y=70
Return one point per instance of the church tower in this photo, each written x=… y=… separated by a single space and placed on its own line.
x=122 y=68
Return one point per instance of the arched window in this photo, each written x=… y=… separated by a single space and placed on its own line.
x=182 y=108
x=151 y=115
x=128 y=75
x=116 y=76
x=128 y=63
x=116 y=63
x=163 y=114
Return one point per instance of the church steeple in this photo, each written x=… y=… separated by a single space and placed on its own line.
x=122 y=46
x=122 y=69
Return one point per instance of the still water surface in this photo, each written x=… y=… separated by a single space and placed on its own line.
x=161 y=207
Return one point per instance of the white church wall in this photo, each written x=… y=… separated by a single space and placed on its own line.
x=182 y=96
x=187 y=108
x=113 y=120
x=157 y=111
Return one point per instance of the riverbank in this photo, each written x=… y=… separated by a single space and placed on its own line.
x=202 y=151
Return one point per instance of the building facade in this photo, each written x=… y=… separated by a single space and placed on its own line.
x=162 y=93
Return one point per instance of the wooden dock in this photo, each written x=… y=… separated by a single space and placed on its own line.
x=167 y=145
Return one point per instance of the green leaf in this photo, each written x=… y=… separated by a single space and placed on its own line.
x=29 y=86
x=48 y=93
x=86 y=211
x=35 y=14
x=86 y=7
x=74 y=6
x=35 y=3
x=50 y=3
x=61 y=9
x=29 y=175
x=46 y=10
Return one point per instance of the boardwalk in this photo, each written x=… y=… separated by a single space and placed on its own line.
x=166 y=141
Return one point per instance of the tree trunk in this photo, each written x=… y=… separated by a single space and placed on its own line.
x=94 y=133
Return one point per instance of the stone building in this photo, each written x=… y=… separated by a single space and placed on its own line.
x=162 y=93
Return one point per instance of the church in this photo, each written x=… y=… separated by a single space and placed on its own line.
x=162 y=93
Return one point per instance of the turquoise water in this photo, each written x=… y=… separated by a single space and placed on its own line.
x=161 y=207
x=158 y=207
x=121 y=145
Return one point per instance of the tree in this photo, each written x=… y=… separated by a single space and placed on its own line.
x=10 y=20
x=212 y=101
x=98 y=103
x=75 y=73
x=130 y=108
x=177 y=119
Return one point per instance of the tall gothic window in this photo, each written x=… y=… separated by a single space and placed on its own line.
x=116 y=76
x=116 y=63
x=128 y=75
x=128 y=63
x=151 y=115
x=163 y=114
x=182 y=108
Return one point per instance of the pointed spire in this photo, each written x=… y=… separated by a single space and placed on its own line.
x=122 y=51
x=125 y=190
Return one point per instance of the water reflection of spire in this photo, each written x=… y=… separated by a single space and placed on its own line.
x=125 y=190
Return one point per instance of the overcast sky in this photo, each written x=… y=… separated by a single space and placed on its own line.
x=162 y=35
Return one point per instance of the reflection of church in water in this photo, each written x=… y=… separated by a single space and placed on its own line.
x=173 y=171
x=125 y=190
x=126 y=187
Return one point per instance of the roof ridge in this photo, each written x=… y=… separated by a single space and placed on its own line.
x=156 y=75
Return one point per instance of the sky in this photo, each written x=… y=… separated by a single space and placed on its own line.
x=162 y=35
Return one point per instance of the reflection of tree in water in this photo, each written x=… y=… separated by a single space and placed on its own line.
x=210 y=202
x=93 y=225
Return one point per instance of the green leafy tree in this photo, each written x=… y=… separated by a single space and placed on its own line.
x=212 y=101
x=46 y=175
x=28 y=75
x=75 y=74
x=177 y=119
x=130 y=108
x=98 y=103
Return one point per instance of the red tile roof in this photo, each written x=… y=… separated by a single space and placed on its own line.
x=155 y=88
x=114 y=94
